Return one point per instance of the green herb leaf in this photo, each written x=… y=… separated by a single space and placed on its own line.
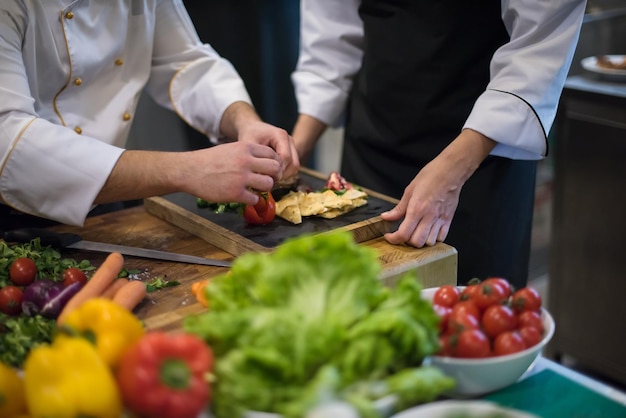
x=21 y=334
x=159 y=283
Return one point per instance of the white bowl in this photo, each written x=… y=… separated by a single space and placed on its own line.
x=462 y=408
x=476 y=377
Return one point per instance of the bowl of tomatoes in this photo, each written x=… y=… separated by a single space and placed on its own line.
x=490 y=334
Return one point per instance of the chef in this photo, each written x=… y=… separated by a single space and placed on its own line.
x=447 y=106
x=71 y=73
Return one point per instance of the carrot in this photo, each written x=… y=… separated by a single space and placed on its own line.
x=101 y=279
x=130 y=294
x=112 y=289
x=197 y=289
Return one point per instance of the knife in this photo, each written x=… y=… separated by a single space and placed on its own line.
x=74 y=241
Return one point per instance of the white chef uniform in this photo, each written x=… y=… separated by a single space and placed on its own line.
x=71 y=73
x=512 y=111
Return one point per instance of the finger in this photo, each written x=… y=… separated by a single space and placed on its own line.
x=284 y=146
x=248 y=197
x=433 y=234
x=396 y=213
x=420 y=235
x=404 y=232
x=264 y=151
x=443 y=232
x=260 y=182
x=292 y=169
x=267 y=166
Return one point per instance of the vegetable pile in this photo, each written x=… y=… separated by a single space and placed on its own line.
x=101 y=362
x=488 y=318
x=311 y=323
x=37 y=286
x=35 y=283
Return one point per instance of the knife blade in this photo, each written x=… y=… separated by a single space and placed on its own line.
x=75 y=241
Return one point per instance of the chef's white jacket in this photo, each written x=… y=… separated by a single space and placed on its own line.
x=71 y=73
x=527 y=74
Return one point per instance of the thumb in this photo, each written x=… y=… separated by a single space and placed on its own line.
x=394 y=214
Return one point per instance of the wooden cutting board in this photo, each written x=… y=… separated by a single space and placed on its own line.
x=229 y=232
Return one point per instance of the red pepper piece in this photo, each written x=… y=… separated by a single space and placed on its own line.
x=263 y=212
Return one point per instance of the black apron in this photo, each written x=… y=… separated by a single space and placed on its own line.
x=425 y=63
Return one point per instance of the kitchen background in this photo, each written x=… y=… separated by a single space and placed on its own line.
x=260 y=37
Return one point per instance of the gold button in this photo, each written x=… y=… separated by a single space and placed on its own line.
x=119 y=61
x=69 y=15
x=78 y=130
x=78 y=81
x=126 y=116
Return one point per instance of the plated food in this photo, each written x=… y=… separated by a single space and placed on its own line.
x=336 y=198
x=615 y=62
x=327 y=204
x=607 y=67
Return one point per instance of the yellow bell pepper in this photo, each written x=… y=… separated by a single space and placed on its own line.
x=12 y=398
x=112 y=328
x=68 y=379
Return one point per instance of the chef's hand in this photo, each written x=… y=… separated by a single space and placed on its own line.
x=227 y=172
x=223 y=173
x=241 y=122
x=427 y=205
x=430 y=200
x=277 y=139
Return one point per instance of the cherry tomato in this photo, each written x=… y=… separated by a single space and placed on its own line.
x=502 y=282
x=22 y=271
x=489 y=294
x=471 y=343
x=530 y=319
x=497 y=319
x=468 y=306
x=530 y=335
x=443 y=312
x=526 y=299
x=470 y=292
x=73 y=275
x=508 y=342
x=460 y=321
x=263 y=212
x=446 y=295
x=11 y=298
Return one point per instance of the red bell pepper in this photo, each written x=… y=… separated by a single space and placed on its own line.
x=263 y=212
x=165 y=375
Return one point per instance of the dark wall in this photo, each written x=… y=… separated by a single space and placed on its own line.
x=260 y=38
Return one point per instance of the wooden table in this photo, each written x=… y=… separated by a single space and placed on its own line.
x=165 y=309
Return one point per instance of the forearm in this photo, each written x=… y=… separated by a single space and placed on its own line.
x=306 y=133
x=465 y=154
x=141 y=174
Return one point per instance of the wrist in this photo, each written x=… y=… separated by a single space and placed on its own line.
x=236 y=117
x=467 y=152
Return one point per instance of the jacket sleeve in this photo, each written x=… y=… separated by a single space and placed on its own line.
x=45 y=169
x=189 y=77
x=527 y=76
x=331 y=48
